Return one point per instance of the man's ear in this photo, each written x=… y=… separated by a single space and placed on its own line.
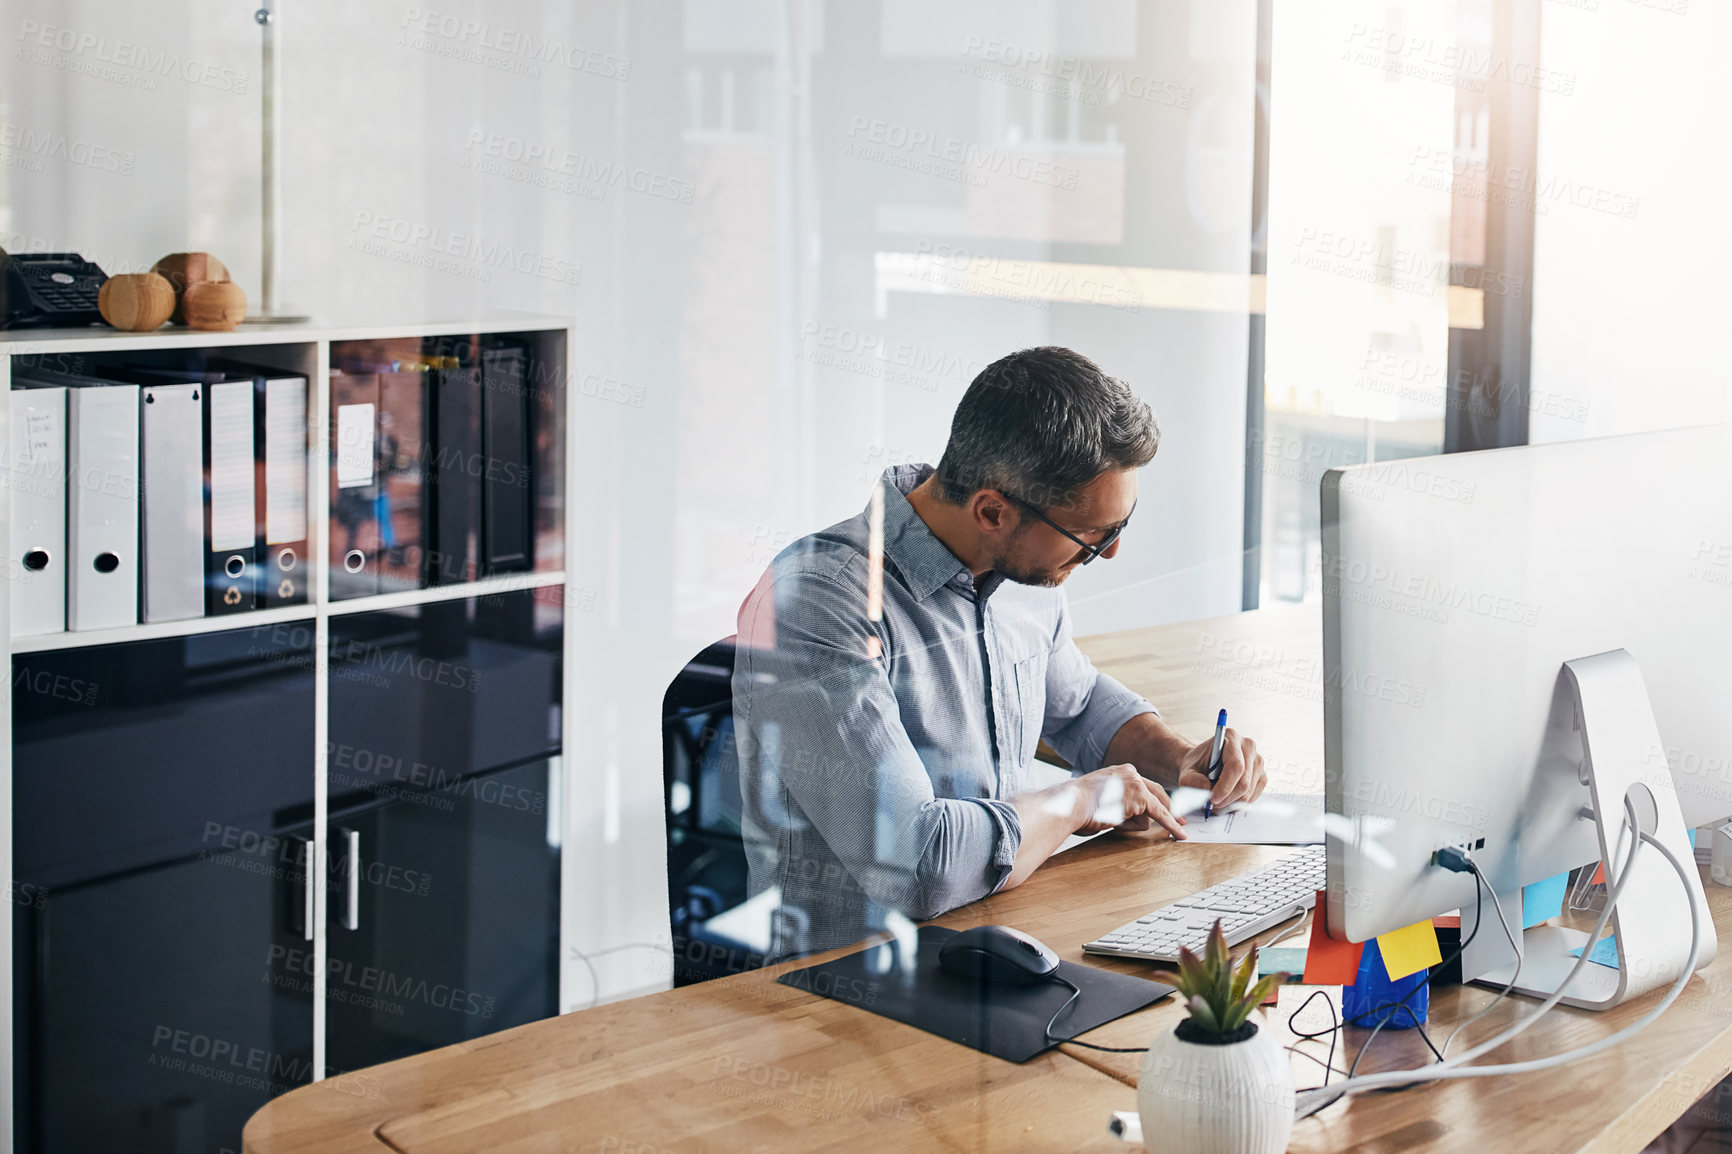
x=992 y=514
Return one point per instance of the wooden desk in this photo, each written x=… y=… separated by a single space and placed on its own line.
x=744 y=1064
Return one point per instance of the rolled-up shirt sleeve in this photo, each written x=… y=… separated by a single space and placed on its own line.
x=1085 y=708
x=823 y=725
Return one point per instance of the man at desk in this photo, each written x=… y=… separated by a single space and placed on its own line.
x=887 y=714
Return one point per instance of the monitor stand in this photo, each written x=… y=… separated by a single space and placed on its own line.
x=1622 y=755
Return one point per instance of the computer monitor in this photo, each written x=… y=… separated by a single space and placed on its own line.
x=1455 y=590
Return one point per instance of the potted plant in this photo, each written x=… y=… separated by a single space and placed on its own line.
x=1215 y=1085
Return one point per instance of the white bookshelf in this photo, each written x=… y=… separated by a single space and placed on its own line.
x=304 y=348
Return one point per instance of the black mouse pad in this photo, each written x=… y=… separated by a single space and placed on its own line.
x=1003 y=1020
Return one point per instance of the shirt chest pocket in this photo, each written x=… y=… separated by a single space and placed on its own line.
x=1030 y=718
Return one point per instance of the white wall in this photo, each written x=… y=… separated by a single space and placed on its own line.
x=721 y=407
x=1630 y=250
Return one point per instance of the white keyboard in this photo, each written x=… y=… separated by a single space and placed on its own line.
x=1247 y=905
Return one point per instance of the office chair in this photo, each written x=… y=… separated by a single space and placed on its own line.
x=707 y=873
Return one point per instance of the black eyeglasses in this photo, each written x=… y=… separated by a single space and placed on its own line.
x=1093 y=551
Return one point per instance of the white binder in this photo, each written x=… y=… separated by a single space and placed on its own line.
x=171 y=490
x=102 y=506
x=37 y=562
x=231 y=529
x=284 y=557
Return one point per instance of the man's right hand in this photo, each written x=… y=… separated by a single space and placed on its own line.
x=1118 y=797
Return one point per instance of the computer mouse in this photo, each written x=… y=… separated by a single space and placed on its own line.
x=998 y=954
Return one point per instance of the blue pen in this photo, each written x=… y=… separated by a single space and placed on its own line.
x=1214 y=770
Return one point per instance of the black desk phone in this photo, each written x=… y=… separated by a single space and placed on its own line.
x=48 y=288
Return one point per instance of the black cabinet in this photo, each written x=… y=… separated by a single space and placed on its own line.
x=162 y=796
x=161 y=1008
x=444 y=915
x=163 y=806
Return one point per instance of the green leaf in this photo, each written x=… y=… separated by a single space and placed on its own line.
x=1203 y=1015
x=1264 y=984
x=1215 y=952
x=1221 y=967
x=1246 y=971
x=1194 y=975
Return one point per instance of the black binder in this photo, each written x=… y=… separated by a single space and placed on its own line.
x=507 y=496
x=405 y=457
x=453 y=481
x=354 y=526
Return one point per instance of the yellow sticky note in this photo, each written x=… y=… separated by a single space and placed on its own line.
x=1410 y=950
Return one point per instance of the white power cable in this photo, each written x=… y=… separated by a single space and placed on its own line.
x=1509 y=935
x=1452 y=1068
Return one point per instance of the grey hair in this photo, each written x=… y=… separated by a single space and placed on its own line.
x=1040 y=424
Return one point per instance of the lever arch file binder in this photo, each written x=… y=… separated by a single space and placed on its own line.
x=231 y=550
x=506 y=495
x=403 y=462
x=171 y=496
x=102 y=506
x=354 y=525
x=280 y=402
x=456 y=507
x=37 y=464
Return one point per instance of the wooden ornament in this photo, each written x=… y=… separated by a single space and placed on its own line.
x=136 y=301
x=214 y=305
x=184 y=269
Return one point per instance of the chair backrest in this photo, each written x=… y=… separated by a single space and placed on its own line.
x=707 y=869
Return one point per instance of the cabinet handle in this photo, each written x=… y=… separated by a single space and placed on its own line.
x=352 y=913
x=307 y=890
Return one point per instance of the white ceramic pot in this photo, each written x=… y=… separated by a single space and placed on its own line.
x=1197 y=1098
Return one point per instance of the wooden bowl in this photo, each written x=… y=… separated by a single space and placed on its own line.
x=136 y=301
x=214 y=305
x=184 y=269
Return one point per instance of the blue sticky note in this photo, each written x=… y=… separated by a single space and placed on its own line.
x=1543 y=900
x=1605 y=952
x=1281 y=959
x=1692 y=839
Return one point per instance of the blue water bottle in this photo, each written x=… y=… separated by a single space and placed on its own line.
x=1374 y=999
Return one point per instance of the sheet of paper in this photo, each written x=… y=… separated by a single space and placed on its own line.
x=1543 y=900
x=1329 y=962
x=1075 y=840
x=1273 y=819
x=1407 y=951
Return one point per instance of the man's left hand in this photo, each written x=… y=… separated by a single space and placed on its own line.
x=1243 y=777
